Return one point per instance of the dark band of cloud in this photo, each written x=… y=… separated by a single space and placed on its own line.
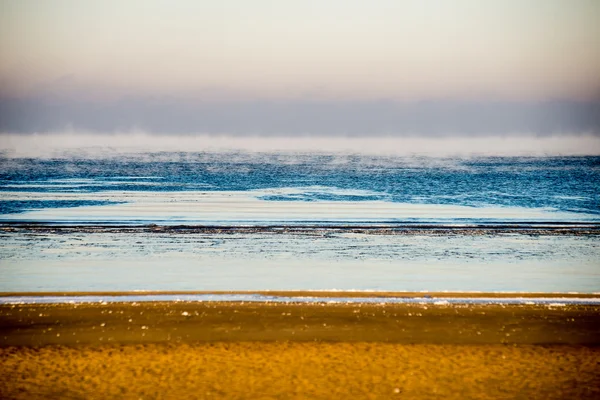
x=280 y=118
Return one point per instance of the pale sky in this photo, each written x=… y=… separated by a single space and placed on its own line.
x=325 y=54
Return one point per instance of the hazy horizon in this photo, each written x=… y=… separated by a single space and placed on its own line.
x=138 y=144
x=288 y=68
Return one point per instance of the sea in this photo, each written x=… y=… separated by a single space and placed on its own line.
x=240 y=220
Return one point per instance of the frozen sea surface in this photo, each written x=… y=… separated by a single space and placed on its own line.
x=107 y=261
x=251 y=208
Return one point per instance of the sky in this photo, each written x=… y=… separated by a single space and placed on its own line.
x=286 y=67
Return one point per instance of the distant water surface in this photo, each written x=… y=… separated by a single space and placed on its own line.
x=253 y=188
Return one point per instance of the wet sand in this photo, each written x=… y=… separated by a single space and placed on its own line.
x=274 y=350
x=190 y=322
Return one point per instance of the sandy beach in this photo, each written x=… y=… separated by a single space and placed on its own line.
x=293 y=350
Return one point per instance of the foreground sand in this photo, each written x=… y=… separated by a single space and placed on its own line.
x=235 y=350
x=301 y=370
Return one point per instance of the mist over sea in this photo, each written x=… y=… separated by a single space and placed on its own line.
x=324 y=189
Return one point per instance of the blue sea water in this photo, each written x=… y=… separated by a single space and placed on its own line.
x=570 y=185
x=306 y=189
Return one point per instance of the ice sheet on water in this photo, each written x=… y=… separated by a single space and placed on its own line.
x=242 y=207
x=306 y=260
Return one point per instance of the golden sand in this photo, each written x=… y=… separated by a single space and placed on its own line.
x=282 y=370
x=299 y=351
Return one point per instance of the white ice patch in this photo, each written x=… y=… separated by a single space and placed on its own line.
x=231 y=207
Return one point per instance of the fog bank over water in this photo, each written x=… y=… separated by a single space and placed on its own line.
x=94 y=145
x=297 y=117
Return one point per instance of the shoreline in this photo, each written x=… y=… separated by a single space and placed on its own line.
x=328 y=294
